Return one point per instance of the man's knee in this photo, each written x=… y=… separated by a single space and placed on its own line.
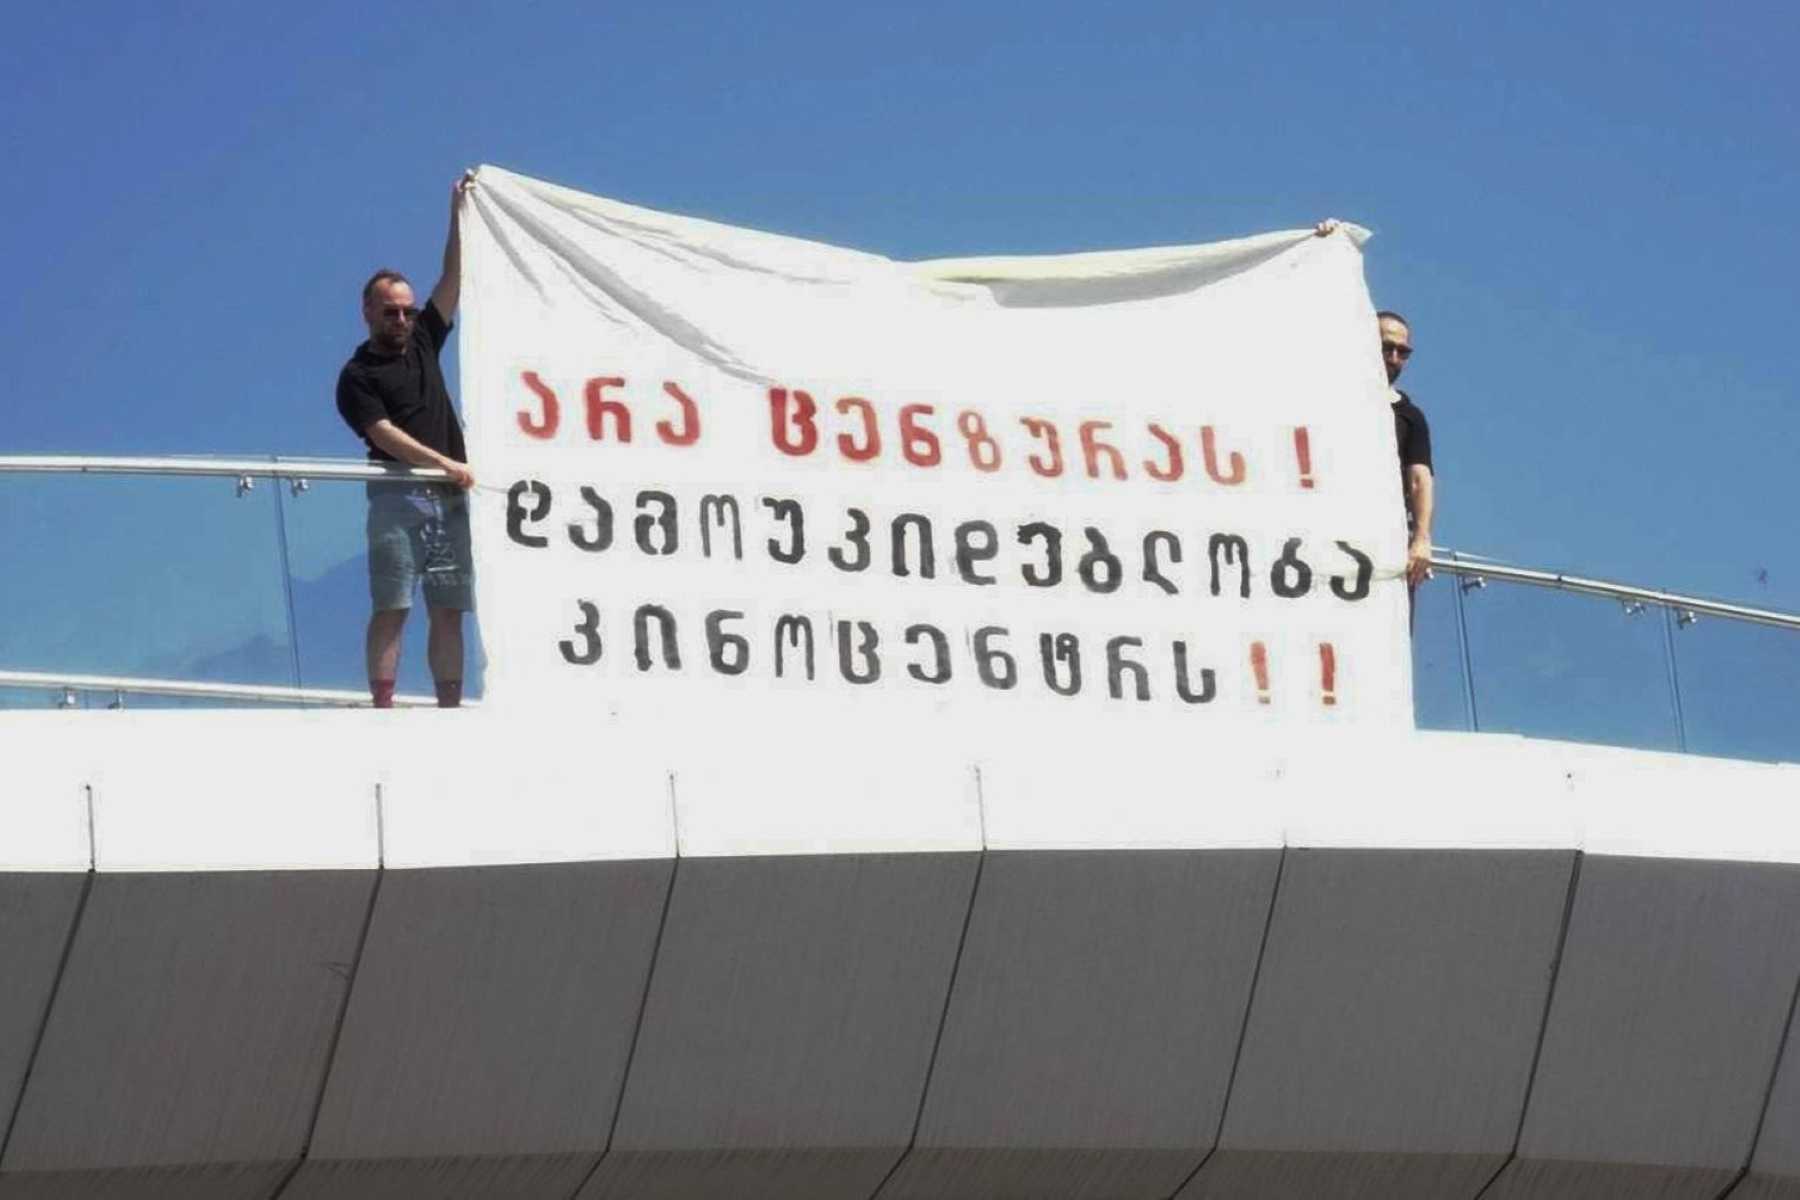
x=388 y=618
x=442 y=618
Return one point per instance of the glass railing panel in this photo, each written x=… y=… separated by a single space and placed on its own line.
x=147 y=576
x=1740 y=689
x=328 y=580
x=1577 y=668
x=136 y=701
x=175 y=577
x=13 y=699
x=107 y=699
x=1440 y=699
x=328 y=569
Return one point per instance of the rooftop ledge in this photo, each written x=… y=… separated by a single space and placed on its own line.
x=340 y=789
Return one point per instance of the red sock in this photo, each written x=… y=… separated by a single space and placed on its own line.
x=449 y=693
x=383 y=691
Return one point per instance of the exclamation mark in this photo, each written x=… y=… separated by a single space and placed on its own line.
x=1259 y=665
x=1328 y=673
x=1303 y=452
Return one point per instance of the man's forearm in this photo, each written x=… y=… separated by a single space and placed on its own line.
x=403 y=446
x=1424 y=503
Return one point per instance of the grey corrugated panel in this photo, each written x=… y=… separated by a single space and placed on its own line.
x=789 y=1027
x=809 y=1173
x=1293 y=1174
x=1775 y=1166
x=1549 y=1179
x=35 y=915
x=212 y=1181
x=461 y=1177
x=190 y=1031
x=1096 y=1173
x=1674 y=991
x=1400 y=1001
x=485 y=1043
x=1090 y=1035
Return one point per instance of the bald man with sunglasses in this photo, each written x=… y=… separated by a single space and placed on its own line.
x=392 y=394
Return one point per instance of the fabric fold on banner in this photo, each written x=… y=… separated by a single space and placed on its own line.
x=1113 y=275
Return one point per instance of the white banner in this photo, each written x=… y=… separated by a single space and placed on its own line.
x=732 y=477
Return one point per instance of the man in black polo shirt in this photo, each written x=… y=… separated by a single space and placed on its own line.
x=392 y=394
x=1413 y=436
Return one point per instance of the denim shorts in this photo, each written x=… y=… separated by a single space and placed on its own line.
x=419 y=534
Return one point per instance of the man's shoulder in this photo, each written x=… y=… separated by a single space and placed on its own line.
x=363 y=371
x=360 y=359
x=433 y=326
x=365 y=363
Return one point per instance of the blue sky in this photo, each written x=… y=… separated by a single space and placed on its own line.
x=1588 y=211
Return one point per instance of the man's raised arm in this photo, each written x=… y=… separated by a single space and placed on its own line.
x=448 y=292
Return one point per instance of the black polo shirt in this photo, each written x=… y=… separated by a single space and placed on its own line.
x=1412 y=435
x=406 y=388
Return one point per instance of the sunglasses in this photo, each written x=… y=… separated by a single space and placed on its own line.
x=409 y=311
x=1402 y=351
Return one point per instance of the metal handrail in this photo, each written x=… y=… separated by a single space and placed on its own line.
x=1687 y=606
x=305 y=469
x=228 y=468
x=122 y=685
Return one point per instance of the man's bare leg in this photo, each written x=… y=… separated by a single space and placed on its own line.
x=444 y=651
x=381 y=650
